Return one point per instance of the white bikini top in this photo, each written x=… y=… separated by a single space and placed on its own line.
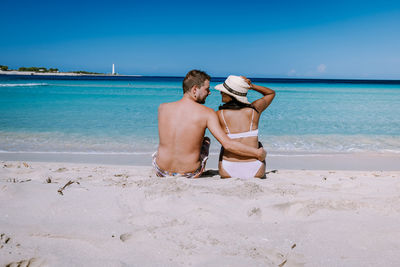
x=243 y=134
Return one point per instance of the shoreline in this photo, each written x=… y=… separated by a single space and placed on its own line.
x=366 y=161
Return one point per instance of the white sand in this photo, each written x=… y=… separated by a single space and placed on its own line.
x=124 y=216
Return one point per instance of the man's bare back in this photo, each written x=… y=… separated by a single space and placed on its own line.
x=181 y=127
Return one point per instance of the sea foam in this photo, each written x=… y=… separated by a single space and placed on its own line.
x=21 y=84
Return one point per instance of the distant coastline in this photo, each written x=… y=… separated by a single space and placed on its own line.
x=68 y=74
x=13 y=74
x=16 y=72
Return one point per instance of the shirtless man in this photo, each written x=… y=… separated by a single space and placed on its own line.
x=183 y=149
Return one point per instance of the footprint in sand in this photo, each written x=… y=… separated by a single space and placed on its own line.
x=4 y=240
x=33 y=262
x=286 y=259
x=122 y=175
x=61 y=170
x=7 y=242
x=125 y=237
x=8 y=165
x=254 y=211
x=293 y=208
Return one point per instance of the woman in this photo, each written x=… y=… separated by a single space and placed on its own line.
x=240 y=120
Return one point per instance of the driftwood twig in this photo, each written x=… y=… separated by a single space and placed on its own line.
x=60 y=191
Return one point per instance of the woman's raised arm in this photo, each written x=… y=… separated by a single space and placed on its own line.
x=268 y=95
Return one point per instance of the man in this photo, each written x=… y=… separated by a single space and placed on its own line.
x=183 y=149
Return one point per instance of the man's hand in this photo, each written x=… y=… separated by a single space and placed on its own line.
x=231 y=145
x=262 y=154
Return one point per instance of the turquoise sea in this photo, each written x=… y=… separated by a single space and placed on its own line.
x=112 y=115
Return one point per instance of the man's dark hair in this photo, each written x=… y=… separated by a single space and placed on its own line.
x=194 y=77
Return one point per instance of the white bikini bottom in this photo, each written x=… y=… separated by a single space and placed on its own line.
x=247 y=169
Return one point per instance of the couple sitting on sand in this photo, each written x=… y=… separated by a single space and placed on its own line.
x=183 y=149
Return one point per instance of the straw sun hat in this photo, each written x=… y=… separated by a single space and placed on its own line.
x=236 y=87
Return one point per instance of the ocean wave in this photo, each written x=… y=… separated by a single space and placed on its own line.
x=22 y=84
x=332 y=143
x=58 y=142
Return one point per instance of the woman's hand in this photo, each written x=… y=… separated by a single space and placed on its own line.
x=247 y=81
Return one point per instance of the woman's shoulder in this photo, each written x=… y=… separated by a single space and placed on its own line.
x=233 y=112
x=245 y=109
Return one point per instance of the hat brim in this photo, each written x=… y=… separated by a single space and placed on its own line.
x=220 y=87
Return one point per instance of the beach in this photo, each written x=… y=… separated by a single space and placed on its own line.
x=80 y=214
x=85 y=86
x=77 y=187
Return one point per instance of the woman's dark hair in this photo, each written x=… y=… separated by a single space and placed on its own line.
x=235 y=104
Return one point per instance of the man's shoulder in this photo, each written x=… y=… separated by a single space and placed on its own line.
x=192 y=107
x=209 y=110
x=203 y=109
x=166 y=105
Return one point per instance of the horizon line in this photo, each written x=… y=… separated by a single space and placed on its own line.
x=216 y=78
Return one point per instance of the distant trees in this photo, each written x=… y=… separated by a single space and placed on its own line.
x=23 y=69
x=43 y=69
x=85 y=72
x=34 y=69
x=38 y=69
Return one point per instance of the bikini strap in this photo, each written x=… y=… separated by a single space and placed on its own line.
x=251 y=124
x=226 y=125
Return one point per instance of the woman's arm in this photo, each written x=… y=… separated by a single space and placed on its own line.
x=268 y=95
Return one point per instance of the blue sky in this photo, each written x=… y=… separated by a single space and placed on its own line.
x=313 y=39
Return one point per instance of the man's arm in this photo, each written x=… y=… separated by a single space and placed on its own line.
x=229 y=144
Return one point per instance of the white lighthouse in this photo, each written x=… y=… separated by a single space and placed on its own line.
x=113 y=70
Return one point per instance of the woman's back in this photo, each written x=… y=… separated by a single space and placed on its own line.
x=240 y=119
x=241 y=125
